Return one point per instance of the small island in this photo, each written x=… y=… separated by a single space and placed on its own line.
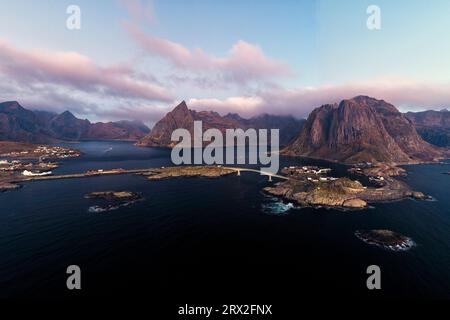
x=311 y=187
x=341 y=192
x=386 y=239
x=114 y=199
x=188 y=171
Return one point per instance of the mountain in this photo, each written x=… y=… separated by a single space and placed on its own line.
x=20 y=124
x=433 y=126
x=182 y=117
x=120 y=130
x=288 y=125
x=66 y=126
x=361 y=129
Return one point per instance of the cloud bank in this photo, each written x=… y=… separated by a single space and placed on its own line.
x=245 y=62
x=406 y=94
x=75 y=71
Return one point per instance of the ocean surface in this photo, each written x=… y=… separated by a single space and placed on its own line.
x=199 y=238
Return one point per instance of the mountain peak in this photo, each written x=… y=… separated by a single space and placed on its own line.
x=234 y=116
x=182 y=106
x=10 y=105
x=362 y=97
x=67 y=115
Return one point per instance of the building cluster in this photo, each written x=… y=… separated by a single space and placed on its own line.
x=55 y=152
x=321 y=179
x=109 y=171
x=359 y=169
x=44 y=152
x=313 y=170
x=13 y=165
x=363 y=165
x=311 y=173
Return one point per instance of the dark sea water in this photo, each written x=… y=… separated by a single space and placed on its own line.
x=194 y=239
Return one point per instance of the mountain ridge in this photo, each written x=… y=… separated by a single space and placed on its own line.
x=433 y=126
x=183 y=117
x=20 y=124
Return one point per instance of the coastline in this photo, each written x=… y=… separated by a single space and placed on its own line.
x=343 y=193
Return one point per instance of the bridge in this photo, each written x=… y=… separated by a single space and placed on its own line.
x=97 y=173
x=265 y=173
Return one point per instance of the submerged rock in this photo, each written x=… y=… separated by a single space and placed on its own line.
x=114 y=195
x=419 y=195
x=115 y=199
x=385 y=238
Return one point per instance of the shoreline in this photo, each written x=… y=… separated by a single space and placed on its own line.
x=346 y=193
x=343 y=193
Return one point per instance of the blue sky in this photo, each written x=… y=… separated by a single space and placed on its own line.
x=136 y=59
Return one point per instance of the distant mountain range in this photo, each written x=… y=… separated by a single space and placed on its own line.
x=362 y=129
x=433 y=126
x=182 y=117
x=20 y=124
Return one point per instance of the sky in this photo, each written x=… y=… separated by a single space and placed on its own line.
x=136 y=59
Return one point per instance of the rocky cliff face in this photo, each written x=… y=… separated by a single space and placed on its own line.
x=433 y=126
x=182 y=117
x=361 y=129
x=20 y=124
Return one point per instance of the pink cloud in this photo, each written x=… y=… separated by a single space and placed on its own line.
x=244 y=62
x=406 y=94
x=37 y=67
x=241 y=105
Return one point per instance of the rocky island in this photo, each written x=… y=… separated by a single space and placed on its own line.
x=341 y=192
x=314 y=188
x=188 y=171
x=115 y=199
x=361 y=130
x=385 y=238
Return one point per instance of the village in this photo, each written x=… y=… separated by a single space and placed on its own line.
x=31 y=161
x=313 y=174
x=369 y=170
x=41 y=152
x=28 y=160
